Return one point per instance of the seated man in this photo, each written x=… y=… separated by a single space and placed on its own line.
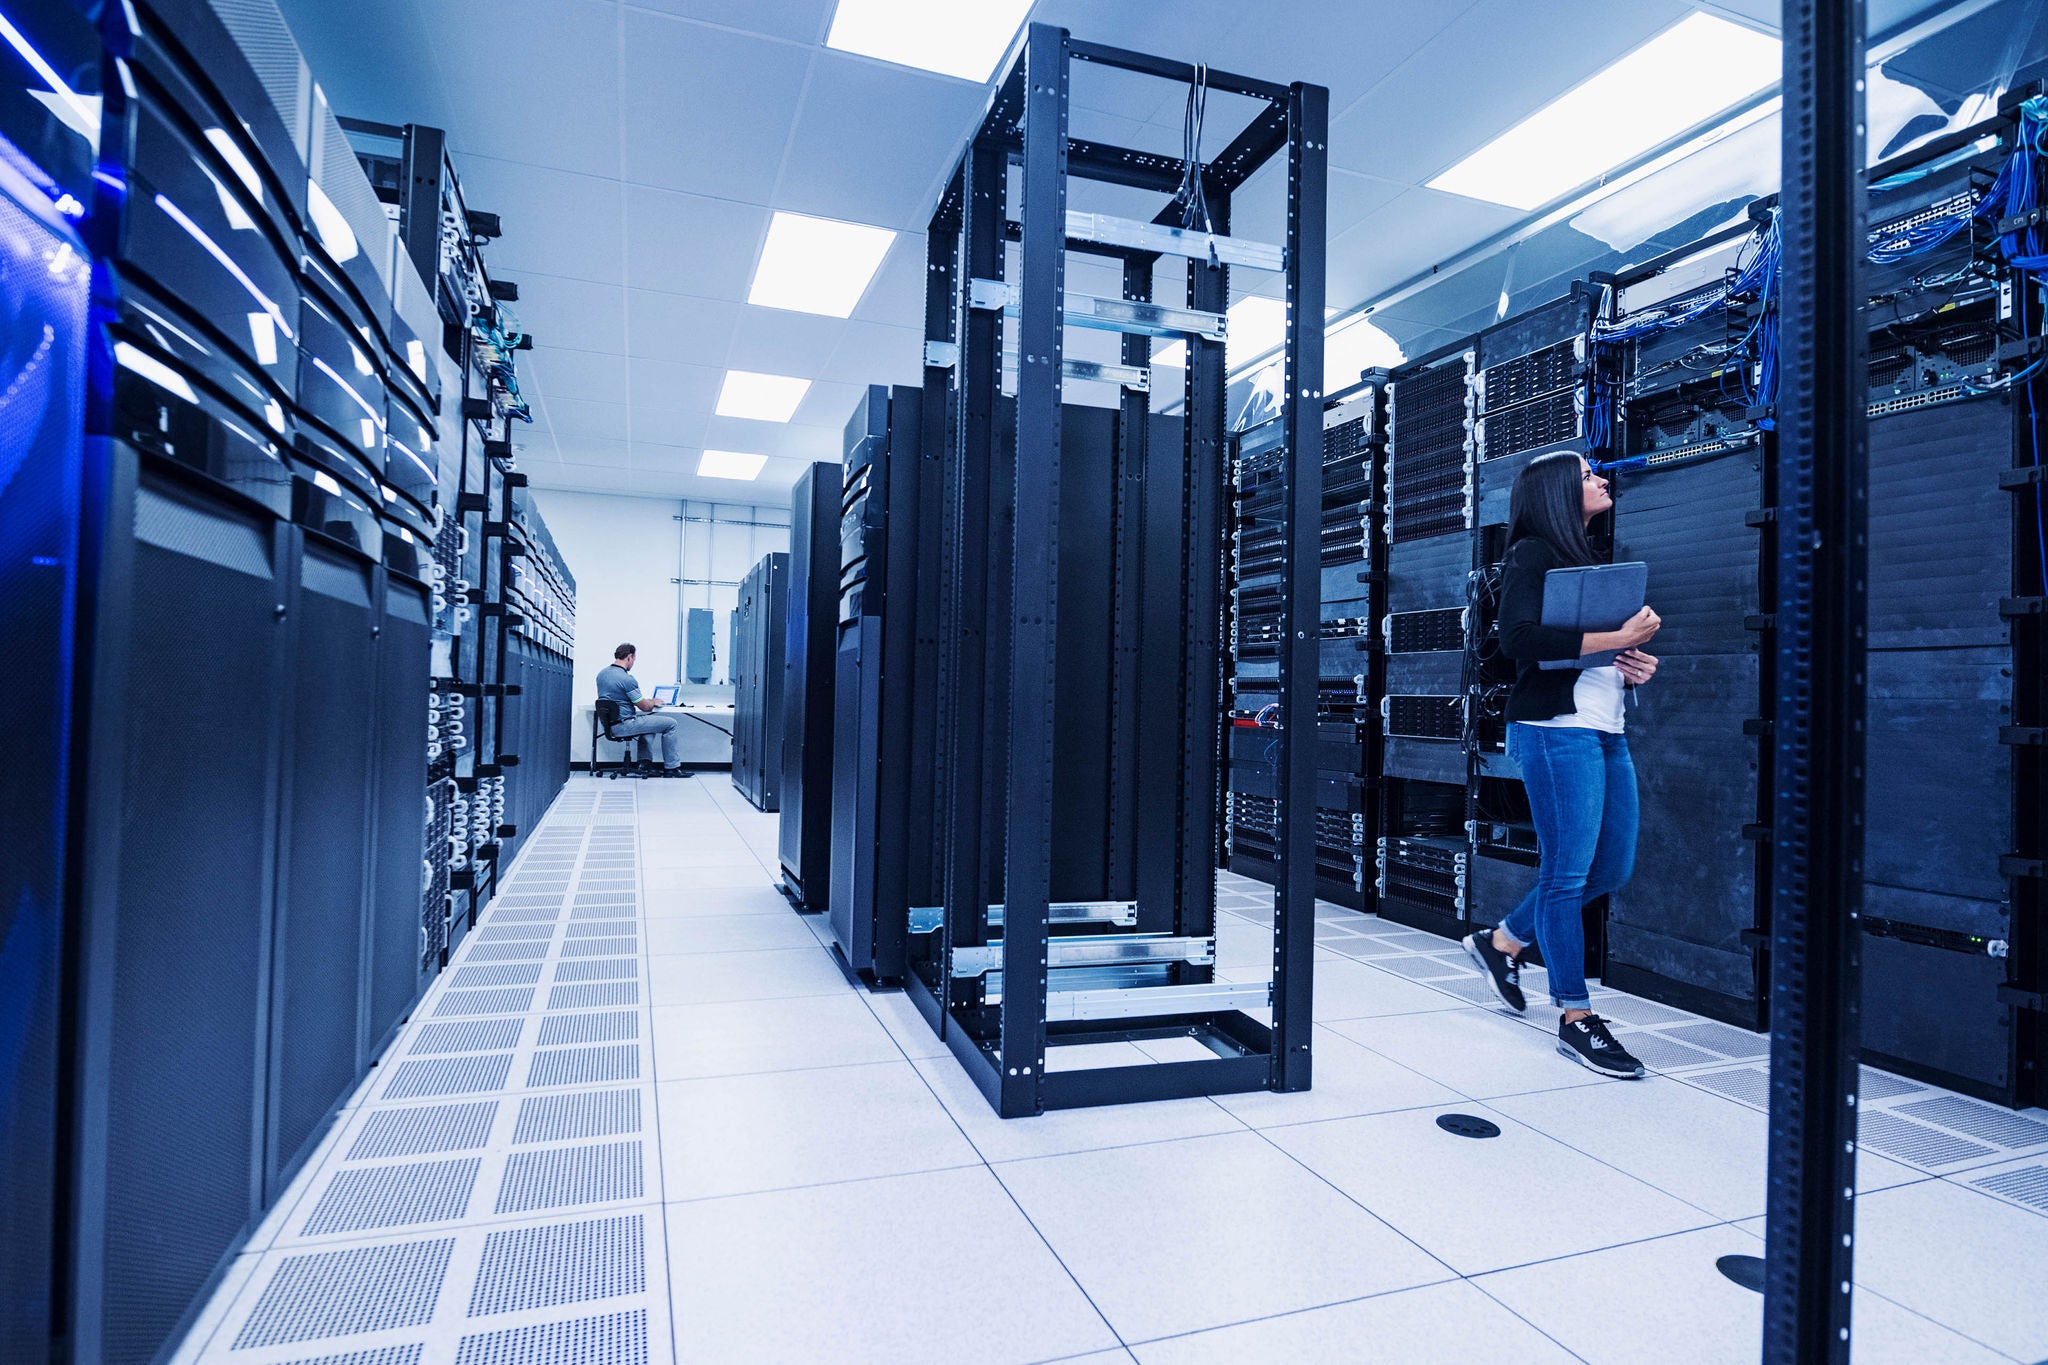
x=617 y=683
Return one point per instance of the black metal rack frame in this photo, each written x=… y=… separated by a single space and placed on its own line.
x=995 y=628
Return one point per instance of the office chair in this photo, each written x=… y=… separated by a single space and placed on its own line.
x=603 y=718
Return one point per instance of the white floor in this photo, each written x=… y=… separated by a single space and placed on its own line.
x=645 y=1118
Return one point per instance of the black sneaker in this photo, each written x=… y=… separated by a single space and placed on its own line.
x=1502 y=970
x=1587 y=1042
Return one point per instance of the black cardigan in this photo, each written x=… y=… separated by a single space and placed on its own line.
x=1538 y=694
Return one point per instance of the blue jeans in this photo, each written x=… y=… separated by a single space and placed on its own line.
x=1582 y=796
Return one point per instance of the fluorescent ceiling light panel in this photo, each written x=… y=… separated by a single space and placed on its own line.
x=1682 y=77
x=762 y=397
x=817 y=265
x=964 y=38
x=730 y=464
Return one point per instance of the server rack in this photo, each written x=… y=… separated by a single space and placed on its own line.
x=884 y=659
x=1058 y=972
x=760 y=628
x=1347 y=751
x=804 y=837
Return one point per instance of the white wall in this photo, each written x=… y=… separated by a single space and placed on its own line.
x=627 y=554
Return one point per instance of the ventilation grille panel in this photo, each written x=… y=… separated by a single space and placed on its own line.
x=594 y=996
x=342 y=1293
x=516 y=974
x=456 y=1003
x=612 y=1027
x=596 y=1113
x=600 y=947
x=2027 y=1185
x=561 y=1177
x=420 y=1130
x=1978 y=1120
x=509 y=952
x=450 y=1076
x=1915 y=1142
x=615 y=1339
x=585 y=1065
x=543 y=1267
x=365 y=1197
x=482 y=1035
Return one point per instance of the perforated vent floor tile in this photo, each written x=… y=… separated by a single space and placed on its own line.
x=584 y=1065
x=600 y=911
x=1881 y=1085
x=533 y=951
x=420 y=1130
x=602 y=928
x=610 y=1027
x=600 y=947
x=366 y=1197
x=591 y=1114
x=1979 y=1121
x=511 y=974
x=563 y=1177
x=515 y=933
x=1655 y=1050
x=456 y=1003
x=598 y=969
x=1417 y=968
x=1749 y=1084
x=1624 y=1009
x=1915 y=1142
x=594 y=996
x=559 y=1263
x=480 y=1035
x=449 y=1076
x=384 y=1355
x=342 y=1293
x=1724 y=1039
x=538 y=914
x=614 y=1339
x=2027 y=1186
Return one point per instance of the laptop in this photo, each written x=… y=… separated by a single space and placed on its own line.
x=1593 y=597
x=667 y=696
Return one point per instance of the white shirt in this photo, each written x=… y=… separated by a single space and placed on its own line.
x=1597 y=698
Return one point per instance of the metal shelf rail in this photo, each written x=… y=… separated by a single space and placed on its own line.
x=1001 y=983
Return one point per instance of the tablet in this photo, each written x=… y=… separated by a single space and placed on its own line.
x=1593 y=597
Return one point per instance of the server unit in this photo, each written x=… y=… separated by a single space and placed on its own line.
x=804 y=843
x=759 y=631
x=884 y=662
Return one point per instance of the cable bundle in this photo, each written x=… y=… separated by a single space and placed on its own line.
x=1193 y=196
x=494 y=349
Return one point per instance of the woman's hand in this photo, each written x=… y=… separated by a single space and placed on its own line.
x=1637 y=630
x=1636 y=666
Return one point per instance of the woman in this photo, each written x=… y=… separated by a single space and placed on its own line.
x=1565 y=733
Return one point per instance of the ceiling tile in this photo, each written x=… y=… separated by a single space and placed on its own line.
x=1258 y=211
x=574 y=314
x=801 y=21
x=776 y=341
x=659 y=382
x=829 y=406
x=872 y=141
x=812 y=443
x=896 y=295
x=707 y=110
x=576 y=374
x=744 y=435
x=372 y=58
x=691 y=244
x=680 y=328
x=532 y=80
x=1421 y=229
x=573 y=420
x=1355 y=43
x=1191 y=35
x=658 y=425
x=664 y=459
x=871 y=353
x=593 y=450
x=1422 y=118
x=556 y=222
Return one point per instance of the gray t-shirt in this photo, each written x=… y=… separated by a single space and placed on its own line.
x=616 y=684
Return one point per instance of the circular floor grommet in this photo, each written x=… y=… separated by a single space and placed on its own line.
x=1747 y=1271
x=1467 y=1125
